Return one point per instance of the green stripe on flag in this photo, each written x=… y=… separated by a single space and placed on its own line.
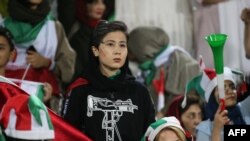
x=35 y=105
x=158 y=123
x=40 y=92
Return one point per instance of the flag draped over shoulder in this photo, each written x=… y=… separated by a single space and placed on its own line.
x=63 y=130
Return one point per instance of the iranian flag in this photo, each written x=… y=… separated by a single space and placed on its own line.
x=62 y=130
x=159 y=87
x=30 y=87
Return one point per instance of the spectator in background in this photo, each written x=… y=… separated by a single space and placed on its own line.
x=166 y=129
x=21 y=110
x=245 y=16
x=69 y=17
x=88 y=13
x=234 y=113
x=8 y=53
x=42 y=48
x=106 y=102
x=158 y=60
x=206 y=21
x=189 y=109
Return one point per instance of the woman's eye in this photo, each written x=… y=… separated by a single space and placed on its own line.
x=232 y=87
x=123 y=45
x=191 y=116
x=110 y=44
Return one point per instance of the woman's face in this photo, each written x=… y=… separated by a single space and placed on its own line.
x=230 y=93
x=168 y=135
x=112 y=51
x=191 y=118
x=96 y=9
x=5 y=52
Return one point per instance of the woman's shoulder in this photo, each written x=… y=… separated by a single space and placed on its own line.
x=205 y=127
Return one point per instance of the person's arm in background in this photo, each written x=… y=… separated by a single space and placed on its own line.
x=245 y=16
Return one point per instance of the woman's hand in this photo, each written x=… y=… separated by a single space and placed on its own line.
x=220 y=119
x=48 y=92
x=36 y=60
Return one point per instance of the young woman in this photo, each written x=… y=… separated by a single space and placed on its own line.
x=40 y=42
x=43 y=51
x=88 y=14
x=109 y=104
x=235 y=113
x=8 y=53
x=191 y=114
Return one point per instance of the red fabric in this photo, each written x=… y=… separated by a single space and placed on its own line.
x=23 y=120
x=23 y=115
x=6 y=92
x=242 y=89
x=82 y=14
x=173 y=109
x=63 y=130
x=76 y=83
x=159 y=84
x=210 y=73
x=37 y=75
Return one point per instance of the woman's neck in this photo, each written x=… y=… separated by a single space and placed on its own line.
x=107 y=72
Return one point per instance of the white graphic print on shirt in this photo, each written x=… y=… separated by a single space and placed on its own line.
x=112 y=110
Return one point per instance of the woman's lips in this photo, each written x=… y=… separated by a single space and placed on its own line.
x=231 y=97
x=117 y=60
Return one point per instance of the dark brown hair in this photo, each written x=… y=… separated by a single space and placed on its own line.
x=7 y=34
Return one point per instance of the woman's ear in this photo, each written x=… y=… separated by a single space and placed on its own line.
x=95 y=51
x=13 y=55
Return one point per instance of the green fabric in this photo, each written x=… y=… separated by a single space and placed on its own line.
x=40 y=93
x=115 y=76
x=149 y=66
x=158 y=123
x=3 y=8
x=35 y=105
x=2 y=138
x=24 y=32
x=195 y=84
x=153 y=127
